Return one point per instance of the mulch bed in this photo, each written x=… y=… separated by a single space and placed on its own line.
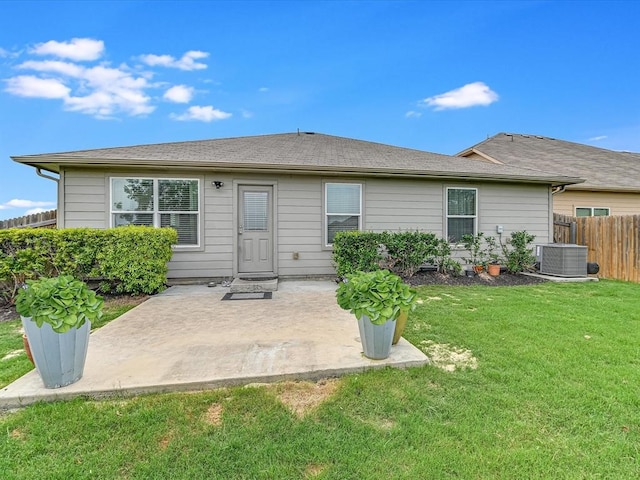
x=502 y=280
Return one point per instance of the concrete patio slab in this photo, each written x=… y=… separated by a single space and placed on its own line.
x=189 y=339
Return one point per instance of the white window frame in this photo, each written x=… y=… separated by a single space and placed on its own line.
x=327 y=213
x=447 y=216
x=155 y=212
x=592 y=210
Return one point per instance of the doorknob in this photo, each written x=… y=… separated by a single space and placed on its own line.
x=240 y=230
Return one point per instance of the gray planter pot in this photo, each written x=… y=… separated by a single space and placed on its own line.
x=376 y=339
x=59 y=357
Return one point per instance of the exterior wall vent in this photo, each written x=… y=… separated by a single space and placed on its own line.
x=562 y=259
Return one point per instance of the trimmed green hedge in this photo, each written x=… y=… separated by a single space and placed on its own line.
x=129 y=259
x=401 y=252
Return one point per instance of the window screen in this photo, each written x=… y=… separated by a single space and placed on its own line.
x=170 y=203
x=461 y=213
x=343 y=208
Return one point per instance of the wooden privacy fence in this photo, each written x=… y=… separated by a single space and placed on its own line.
x=612 y=242
x=37 y=220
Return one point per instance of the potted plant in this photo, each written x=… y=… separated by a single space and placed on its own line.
x=56 y=315
x=376 y=298
x=477 y=254
x=493 y=267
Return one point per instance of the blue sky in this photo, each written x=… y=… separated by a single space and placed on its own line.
x=436 y=76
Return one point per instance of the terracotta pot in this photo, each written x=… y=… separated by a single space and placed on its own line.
x=401 y=322
x=493 y=269
x=27 y=349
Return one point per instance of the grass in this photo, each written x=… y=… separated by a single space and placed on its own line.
x=13 y=359
x=554 y=395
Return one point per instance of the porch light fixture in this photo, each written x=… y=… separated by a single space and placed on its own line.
x=218 y=184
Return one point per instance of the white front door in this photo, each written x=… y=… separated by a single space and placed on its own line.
x=255 y=229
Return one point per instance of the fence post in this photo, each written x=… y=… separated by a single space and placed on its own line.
x=573 y=233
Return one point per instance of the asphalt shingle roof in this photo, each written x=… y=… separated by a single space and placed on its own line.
x=602 y=169
x=303 y=152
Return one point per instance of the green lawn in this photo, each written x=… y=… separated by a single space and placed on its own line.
x=551 y=390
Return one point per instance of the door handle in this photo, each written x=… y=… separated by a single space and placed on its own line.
x=240 y=230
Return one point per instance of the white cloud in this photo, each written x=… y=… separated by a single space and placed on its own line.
x=598 y=138
x=186 y=62
x=99 y=89
x=19 y=203
x=4 y=53
x=470 y=95
x=263 y=89
x=179 y=94
x=53 y=66
x=35 y=210
x=247 y=114
x=203 y=114
x=35 y=87
x=413 y=114
x=78 y=49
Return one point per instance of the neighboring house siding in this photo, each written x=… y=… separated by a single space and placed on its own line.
x=619 y=203
x=388 y=204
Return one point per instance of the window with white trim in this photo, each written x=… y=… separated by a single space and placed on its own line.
x=592 y=211
x=343 y=208
x=158 y=202
x=462 y=212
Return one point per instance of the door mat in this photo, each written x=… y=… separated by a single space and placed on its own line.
x=248 y=296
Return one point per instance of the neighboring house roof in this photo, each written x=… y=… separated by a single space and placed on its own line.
x=304 y=152
x=604 y=170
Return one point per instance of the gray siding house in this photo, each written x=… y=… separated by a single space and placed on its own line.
x=272 y=204
x=612 y=185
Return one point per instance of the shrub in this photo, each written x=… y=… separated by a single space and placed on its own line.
x=520 y=256
x=442 y=259
x=356 y=251
x=401 y=252
x=126 y=259
x=408 y=251
x=134 y=259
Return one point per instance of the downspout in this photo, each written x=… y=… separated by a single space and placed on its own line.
x=40 y=174
x=57 y=180
x=558 y=189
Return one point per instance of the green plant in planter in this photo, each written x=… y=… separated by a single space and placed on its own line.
x=492 y=254
x=63 y=302
x=380 y=295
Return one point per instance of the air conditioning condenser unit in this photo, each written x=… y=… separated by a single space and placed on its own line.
x=562 y=259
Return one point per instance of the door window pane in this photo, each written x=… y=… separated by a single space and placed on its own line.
x=255 y=214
